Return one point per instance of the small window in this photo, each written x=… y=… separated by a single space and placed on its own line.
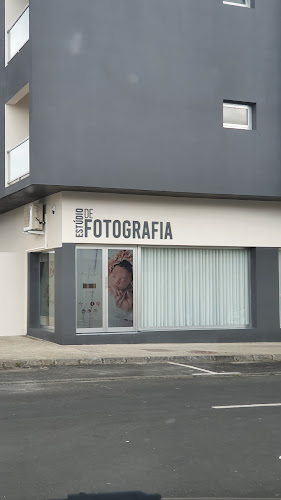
x=240 y=3
x=237 y=115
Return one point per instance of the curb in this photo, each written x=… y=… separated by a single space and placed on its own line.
x=236 y=358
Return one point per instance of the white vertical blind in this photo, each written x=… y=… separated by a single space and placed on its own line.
x=186 y=287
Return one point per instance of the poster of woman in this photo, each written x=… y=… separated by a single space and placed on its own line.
x=120 y=288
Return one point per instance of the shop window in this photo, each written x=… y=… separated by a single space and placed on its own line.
x=47 y=289
x=237 y=115
x=105 y=289
x=195 y=288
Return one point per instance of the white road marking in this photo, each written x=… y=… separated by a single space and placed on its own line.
x=193 y=367
x=246 y=406
x=216 y=373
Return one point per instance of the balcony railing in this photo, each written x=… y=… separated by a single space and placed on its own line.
x=18 y=161
x=18 y=34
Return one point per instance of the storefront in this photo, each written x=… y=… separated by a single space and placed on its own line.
x=125 y=268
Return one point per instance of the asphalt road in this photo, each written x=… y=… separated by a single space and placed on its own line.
x=152 y=428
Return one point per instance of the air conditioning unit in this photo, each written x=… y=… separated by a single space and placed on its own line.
x=33 y=218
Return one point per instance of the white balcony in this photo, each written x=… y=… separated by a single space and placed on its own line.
x=18 y=34
x=18 y=161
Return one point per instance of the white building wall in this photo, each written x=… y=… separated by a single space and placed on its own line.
x=14 y=248
x=17 y=122
x=12 y=293
x=194 y=222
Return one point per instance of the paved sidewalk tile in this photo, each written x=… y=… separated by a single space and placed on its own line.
x=23 y=351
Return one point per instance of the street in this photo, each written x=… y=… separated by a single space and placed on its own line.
x=153 y=428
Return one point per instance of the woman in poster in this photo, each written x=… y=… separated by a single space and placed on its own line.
x=120 y=289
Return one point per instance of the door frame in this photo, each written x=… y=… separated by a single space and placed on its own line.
x=105 y=329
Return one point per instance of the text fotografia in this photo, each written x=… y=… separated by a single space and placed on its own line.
x=86 y=225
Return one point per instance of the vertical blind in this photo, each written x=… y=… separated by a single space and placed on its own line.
x=187 y=287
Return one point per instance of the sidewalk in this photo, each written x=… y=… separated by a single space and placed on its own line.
x=25 y=352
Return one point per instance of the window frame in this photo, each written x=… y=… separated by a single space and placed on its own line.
x=232 y=2
x=9 y=57
x=142 y=328
x=238 y=105
x=105 y=329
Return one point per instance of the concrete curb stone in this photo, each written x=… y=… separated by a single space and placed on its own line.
x=276 y=357
x=245 y=357
x=114 y=361
x=263 y=357
x=14 y=364
x=91 y=361
x=67 y=362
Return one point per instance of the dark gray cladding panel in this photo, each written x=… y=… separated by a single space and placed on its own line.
x=2 y=45
x=13 y=78
x=18 y=72
x=127 y=94
x=2 y=94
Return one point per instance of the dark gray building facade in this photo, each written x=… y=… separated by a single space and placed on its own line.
x=153 y=127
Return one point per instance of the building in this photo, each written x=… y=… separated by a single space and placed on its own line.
x=140 y=170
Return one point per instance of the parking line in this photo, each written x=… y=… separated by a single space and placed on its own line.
x=245 y=406
x=205 y=372
x=193 y=367
x=217 y=373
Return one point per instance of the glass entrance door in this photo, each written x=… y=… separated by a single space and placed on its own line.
x=47 y=289
x=89 y=295
x=105 y=290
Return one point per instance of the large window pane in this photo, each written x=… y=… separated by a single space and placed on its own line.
x=19 y=161
x=194 y=288
x=19 y=34
x=89 y=289
x=235 y=115
x=237 y=2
